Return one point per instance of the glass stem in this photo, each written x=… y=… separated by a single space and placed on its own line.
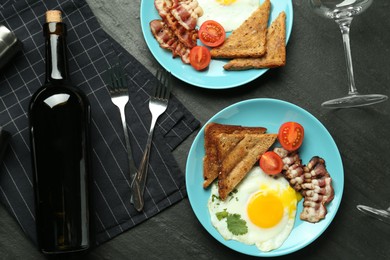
x=344 y=25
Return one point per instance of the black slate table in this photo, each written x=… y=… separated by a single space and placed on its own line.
x=315 y=72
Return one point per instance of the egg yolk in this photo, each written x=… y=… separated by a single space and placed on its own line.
x=265 y=210
x=226 y=2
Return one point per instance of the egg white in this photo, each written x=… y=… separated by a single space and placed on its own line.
x=230 y=16
x=266 y=239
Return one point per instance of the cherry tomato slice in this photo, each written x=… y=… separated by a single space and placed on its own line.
x=291 y=135
x=200 y=57
x=211 y=33
x=271 y=163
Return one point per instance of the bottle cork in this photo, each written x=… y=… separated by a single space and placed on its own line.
x=53 y=16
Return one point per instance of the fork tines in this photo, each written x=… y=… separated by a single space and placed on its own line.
x=116 y=78
x=164 y=86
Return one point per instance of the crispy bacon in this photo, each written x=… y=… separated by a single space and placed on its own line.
x=176 y=31
x=187 y=37
x=163 y=7
x=167 y=40
x=187 y=13
x=312 y=180
x=162 y=33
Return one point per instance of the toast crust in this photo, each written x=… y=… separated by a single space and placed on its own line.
x=249 y=39
x=216 y=148
x=275 y=55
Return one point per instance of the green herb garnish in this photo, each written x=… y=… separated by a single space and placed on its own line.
x=234 y=222
x=221 y=215
x=215 y=197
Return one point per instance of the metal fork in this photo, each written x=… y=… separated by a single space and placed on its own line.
x=118 y=88
x=157 y=105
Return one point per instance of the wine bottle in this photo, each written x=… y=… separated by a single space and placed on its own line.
x=59 y=119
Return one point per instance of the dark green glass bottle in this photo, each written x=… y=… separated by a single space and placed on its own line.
x=59 y=116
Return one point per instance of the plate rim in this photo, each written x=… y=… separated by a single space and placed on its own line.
x=276 y=252
x=253 y=74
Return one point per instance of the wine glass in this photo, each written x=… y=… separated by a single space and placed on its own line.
x=381 y=214
x=342 y=12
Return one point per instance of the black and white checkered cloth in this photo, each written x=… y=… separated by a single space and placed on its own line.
x=91 y=52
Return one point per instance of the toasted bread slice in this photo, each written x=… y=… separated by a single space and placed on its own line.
x=276 y=49
x=225 y=143
x=211 y=159
x=249 y=39
x=241 y=159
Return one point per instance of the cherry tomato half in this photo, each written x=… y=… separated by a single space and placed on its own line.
x=271 y=163
x=291 y=135
x=200 y=57
x=211 y=33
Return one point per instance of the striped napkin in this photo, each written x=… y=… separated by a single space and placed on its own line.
x=91 y=51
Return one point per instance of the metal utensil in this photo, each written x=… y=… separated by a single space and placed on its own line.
x=118 y=88
x=381 y=214
x=9 y=45
x=157 y=105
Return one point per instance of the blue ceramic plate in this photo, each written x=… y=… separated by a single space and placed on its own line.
x=215 y=77
x=269 y=113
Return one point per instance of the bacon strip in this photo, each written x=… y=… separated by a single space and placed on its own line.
x=176 y=31
x=187 y=13
x=185 y=36
x=167 y=40
x=313 y=181
x=163 y=7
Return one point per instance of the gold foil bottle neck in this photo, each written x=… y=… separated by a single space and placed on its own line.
x=53 y=16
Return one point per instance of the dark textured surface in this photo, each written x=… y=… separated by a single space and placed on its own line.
x=315 y=72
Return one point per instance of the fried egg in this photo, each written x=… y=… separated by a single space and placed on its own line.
x=261 y=211
x=229 y=13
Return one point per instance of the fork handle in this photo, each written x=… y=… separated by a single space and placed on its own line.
x=132 y=168
x=140 y=178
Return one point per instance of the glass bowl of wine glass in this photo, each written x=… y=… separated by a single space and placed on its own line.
x=343 y=12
